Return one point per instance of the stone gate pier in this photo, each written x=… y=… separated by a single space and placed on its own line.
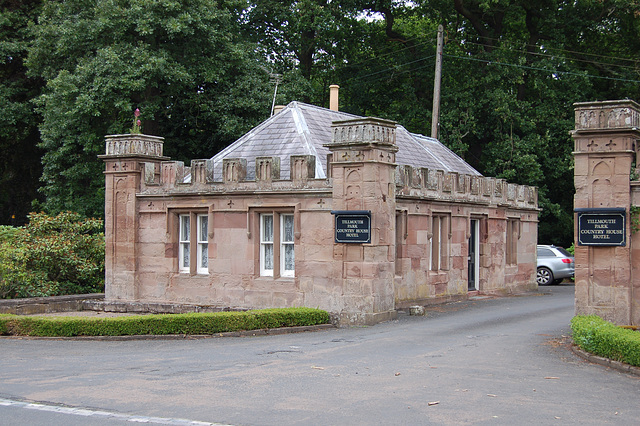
x=607 y=148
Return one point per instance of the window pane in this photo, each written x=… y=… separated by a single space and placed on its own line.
x=289 y=260
x=203 y=229
x=287 y=233
x=267 y=228
x=204 y=256
x=185 y=255
x=268 y=257
x=184 y=228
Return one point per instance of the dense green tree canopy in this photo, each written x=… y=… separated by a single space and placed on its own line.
x=511 y=72
x=20 y=158
x=199 y=70
x=180 y=62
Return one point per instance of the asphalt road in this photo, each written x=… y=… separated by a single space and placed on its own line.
x=486 y=361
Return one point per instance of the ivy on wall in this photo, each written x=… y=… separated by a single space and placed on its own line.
x=634 y=216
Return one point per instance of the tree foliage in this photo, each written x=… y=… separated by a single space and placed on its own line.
x=512 y=70
x=180 y=62
x=199 y=72
x=20 y=160
x=52 y=255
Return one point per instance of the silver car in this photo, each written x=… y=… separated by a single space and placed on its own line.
x=554 y=265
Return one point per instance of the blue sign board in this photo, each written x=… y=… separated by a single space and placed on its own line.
x=353 y=226
x=602 y=227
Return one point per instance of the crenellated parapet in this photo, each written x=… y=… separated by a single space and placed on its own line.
x=438 y=185
x=173 y=177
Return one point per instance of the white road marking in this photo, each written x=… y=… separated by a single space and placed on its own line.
x=105 y=414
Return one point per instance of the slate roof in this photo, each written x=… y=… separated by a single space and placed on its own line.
x=302 y=129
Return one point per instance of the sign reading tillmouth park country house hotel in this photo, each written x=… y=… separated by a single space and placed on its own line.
x=601 y=227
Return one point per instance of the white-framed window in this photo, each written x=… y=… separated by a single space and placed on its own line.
x=277 y=245
x=203 y=244
x=184 y=241
x=287 y=246
x=266 y=245
x=193 y=243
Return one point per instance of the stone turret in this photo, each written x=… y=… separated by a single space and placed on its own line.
x=126 y=156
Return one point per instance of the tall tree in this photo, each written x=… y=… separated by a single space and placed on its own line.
x=20 y=167
x=305 y=40
x=512 y=70
x=180 y=62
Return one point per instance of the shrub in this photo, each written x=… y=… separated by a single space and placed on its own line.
x=599 y=337
x=200 y=323
x=52 y=255
x=7 y=246
x=572 y=249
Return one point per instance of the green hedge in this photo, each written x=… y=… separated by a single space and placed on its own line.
x=599 y=337
x=200 y=323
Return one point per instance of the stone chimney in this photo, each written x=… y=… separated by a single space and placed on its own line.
x=333 y=97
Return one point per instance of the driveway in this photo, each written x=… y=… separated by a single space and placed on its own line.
x=484 y=361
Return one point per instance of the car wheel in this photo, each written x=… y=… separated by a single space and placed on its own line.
x=544 y=276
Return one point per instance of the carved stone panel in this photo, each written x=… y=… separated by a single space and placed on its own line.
x=512 y=192
x=475 y=185
x=303 y=167
x=234 y=170
x=134 y=145
x=447 y=182
x=267 y=169
x=607 y=115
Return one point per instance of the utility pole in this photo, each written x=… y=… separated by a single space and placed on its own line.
x=275 y=78
x=435 y=120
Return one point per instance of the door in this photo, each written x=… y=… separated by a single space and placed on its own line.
x=473 y=257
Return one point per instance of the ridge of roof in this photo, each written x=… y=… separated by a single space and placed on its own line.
x=306 y=137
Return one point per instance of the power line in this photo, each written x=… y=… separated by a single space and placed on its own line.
x=548 y=55
x=541 y=69
x=597 y=55
x=494 y=62
x=382 y=56
x=395 y=68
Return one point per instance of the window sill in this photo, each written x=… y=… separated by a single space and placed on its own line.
x=270 y=278
x=189 y=274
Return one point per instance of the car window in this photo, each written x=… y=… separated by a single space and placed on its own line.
x=564 y=252
x=544 y=252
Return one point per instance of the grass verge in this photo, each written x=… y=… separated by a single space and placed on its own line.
x=162 y=324
x=599 y=337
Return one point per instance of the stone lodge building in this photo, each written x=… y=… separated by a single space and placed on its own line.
x=313 y=207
